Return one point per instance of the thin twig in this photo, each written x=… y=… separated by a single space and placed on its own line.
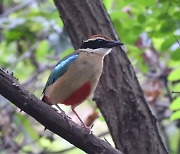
x=175 y=92
x=17 y=7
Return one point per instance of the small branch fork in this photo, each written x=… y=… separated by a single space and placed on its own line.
x=52 y=120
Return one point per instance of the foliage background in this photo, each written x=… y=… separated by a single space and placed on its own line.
x=33 y=39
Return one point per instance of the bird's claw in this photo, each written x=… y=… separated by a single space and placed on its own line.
x=65 y=116
x=63 y=113
x=55 y=109
x=87 y=129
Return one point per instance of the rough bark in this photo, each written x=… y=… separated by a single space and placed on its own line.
x=118 y=95
x=51 y=119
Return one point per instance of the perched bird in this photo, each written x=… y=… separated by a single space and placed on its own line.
x=76 y=76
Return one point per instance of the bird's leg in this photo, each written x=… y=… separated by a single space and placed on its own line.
x=82 y=123
x=62 y=112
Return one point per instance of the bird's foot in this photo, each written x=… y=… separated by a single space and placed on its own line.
x=55 y=109
x=65 y=116
x=87 y=129
x=63 y=113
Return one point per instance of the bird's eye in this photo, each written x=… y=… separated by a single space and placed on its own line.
x=99 y=40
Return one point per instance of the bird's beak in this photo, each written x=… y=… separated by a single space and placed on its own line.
x=113 y=43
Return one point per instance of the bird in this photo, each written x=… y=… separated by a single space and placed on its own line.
x=75 y=77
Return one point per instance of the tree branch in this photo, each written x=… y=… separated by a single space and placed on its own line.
x=51 y=119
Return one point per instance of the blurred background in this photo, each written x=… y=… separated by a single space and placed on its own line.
x=33 y=40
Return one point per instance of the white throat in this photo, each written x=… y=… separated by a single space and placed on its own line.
x=99 y=51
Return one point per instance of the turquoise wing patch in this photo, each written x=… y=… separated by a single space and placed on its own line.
x=60 y=68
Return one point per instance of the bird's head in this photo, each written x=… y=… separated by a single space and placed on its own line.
x=99 y=44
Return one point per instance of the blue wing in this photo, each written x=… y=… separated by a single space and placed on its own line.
x=60 y=68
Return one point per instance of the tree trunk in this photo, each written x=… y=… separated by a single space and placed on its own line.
x=118 y=95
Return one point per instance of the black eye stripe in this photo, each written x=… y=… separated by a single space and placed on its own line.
x=94 y=44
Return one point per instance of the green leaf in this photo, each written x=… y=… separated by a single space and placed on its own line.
x=44 y=142
x=175 y=115
x=167 y=43
x=137 y=29
x=162 y=1
x=42 y=49
x=174 y=75
x=12 y=35
x=175 y=105
x=157 y=42
x=176 y=55
x=167 y=27
x=23 y=70
x=173 y=64
x=146 y=3
x=108 y=4
x=164 y=16
x=176 y=87
x=118 y=15
x=177 y=15
x=141 y=18
x=128 y=38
